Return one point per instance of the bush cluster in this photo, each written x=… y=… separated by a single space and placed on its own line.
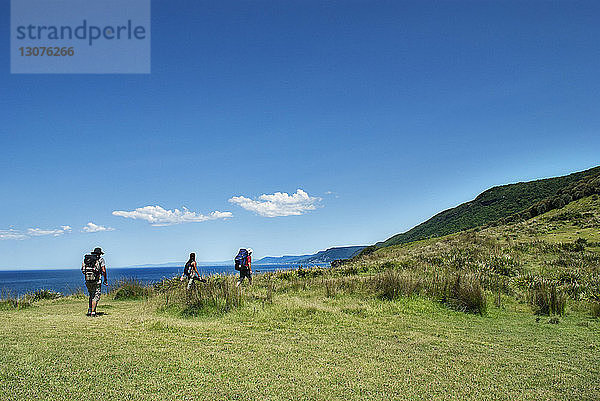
x=580 y=189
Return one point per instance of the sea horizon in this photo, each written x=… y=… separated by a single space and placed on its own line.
x=70 y=280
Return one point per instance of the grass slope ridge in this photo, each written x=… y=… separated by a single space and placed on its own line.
x=492 y=205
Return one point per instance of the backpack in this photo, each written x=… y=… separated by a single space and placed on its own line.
x=187 y=270
x=91 y=267
x=241 y=260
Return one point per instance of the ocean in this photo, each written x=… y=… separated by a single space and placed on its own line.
x=67 y=281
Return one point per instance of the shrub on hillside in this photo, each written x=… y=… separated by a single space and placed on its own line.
x=286 y=274
x=389 y=265
x=566 y=216
x=576 y=246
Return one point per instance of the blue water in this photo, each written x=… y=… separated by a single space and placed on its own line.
x=17 y=283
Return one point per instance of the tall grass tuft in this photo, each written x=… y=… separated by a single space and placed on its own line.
x=466 y=294
x=340 y=285
x=217 y=296
x=330 y=287
x=78 y=293
x=393 y=284
x=39 y=295
x=595 y=309
x=547 y=299
x=7 y=301
x=130 y=288
x=593 y=301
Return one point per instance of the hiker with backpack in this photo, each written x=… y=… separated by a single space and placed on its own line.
x=93 y=267
x=243 y=263
x=190 y=271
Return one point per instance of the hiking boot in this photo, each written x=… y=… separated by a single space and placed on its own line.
x=89 y=312
x=93 y=314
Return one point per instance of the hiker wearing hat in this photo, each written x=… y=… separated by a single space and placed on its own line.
x=243 y=263
x=92 y=267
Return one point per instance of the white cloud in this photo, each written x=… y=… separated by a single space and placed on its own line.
x=33 y=232
x=11 y=234
x=157 y=216
x=94 y=228
x=39 y=232
x=278 y=204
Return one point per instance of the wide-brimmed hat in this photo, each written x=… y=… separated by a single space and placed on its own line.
x=98 y=251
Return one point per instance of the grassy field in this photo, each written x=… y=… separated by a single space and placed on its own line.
x=302 y=346
x=388 y=325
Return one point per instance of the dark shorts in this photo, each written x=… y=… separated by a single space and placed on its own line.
x=94 y=289
x=245 y=273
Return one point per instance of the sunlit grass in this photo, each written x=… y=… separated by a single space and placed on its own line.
x=390 y=325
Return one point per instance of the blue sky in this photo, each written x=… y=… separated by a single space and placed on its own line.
x=381 y=113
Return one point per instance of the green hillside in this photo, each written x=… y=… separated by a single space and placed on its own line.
x=498 y=203
x=556 y=252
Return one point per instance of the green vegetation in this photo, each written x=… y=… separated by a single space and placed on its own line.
x=526 y=199
x=543 y=260
x=302 y=345
x=7 y=301
x=501 y=312
x=217 y=296
x=129 y=288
